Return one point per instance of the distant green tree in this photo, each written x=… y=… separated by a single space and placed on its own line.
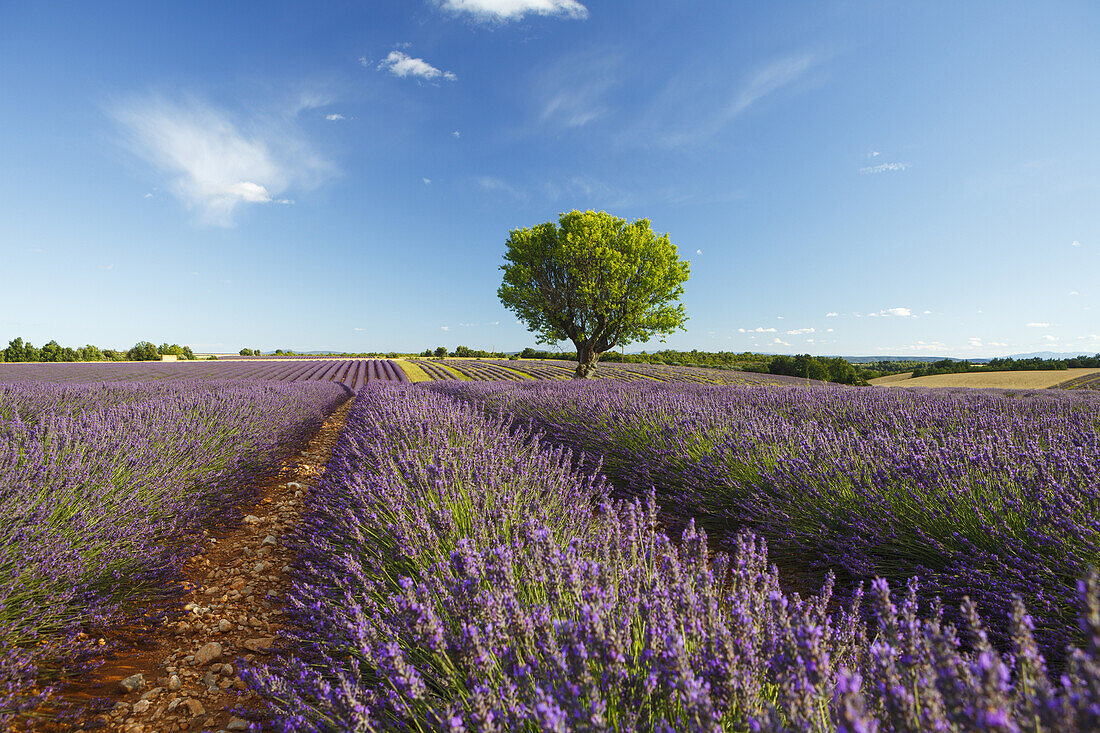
x=462 y=351
x=51 y=352
x=90 y=353
x=593 y=279
x=143 y=351
x=16 y=351
x=30 y=353
x=246 y=352
x=441 y=351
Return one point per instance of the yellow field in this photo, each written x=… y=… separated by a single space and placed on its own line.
x=986 y=380
x=412 y=371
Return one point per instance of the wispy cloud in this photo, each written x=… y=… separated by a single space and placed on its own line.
x=698 y=251
x=358 y=329
x=572 y=91
x=800 y=331
x=401 y=64
x=691 y=95
x=780 y=342
x=1048 y=337
x=107 y=267
x=1075 y=243
x=884 y=168
x=832 y=314
x=758 y=329
x=1038 y=324
x=426 y=180
x=334 y=117
x=214 y=162
x=456 y=134
x=501 y=11
x=444 y=328
x=489 y=183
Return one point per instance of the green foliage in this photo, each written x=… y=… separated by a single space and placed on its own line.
x=821 y=368
x=143 y=351
x=462 y=351
x=593 y=279
x=951 y=366
x=441 y=351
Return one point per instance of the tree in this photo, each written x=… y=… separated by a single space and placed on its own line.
x=143 y=351
x=596 y=280
x=16 y=351
x=441 y=351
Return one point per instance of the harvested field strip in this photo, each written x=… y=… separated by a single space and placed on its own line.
x=1085 y=381
x=413 y=371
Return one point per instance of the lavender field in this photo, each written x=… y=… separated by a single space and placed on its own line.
x=459 y=570
x=619 y=554
x=105 y=491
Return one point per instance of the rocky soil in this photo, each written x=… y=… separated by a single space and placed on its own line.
x=185 y=677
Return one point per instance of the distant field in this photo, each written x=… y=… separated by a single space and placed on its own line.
x=988 y=380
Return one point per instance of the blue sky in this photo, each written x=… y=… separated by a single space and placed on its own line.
x=845 y=177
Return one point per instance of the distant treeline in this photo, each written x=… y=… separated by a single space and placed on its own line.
x=54 y=352
x=950 y=366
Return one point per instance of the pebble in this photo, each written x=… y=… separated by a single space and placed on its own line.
x=133 y=683
x=174 y=683
x=237 y=724
x=224 y=625
x=141 y=706
x=210 y=652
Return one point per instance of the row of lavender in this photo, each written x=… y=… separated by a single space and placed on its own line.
x=978 y=493
x=456 y=573
x=103 y=491
x=352 y=373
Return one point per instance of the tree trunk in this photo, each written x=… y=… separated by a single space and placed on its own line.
x=586 y=362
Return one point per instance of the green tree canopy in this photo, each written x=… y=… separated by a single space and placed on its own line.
x=596 y=280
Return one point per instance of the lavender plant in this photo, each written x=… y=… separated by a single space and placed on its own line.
x=981 y=494
x=457 y=573
x=103 y=489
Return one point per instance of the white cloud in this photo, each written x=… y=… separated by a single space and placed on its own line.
x=445 y=328
x=780 y=317
x=832 y=314
x=975 y=341
x=780 y=341
x=426 y=180
x=799 y=331
x=891 y=312
x=215 y=164
x=1075 y=243
x=873 y=154
x=1091 y=337
x=698 y=251
x=457 y=134
x=925 y=346
x=148 y=195
x=334 y=117
x=884 y=168
x=1038 y=325
x=828 y=330
x=359 y=329
x=107 y=267
x=996 y=343
x=504 y=10
x=402 y=65
x=1074 y=292
x=1048 y=337
x=927 y=312
x=364 y=62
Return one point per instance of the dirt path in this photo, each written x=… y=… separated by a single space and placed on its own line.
x=184 y=674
